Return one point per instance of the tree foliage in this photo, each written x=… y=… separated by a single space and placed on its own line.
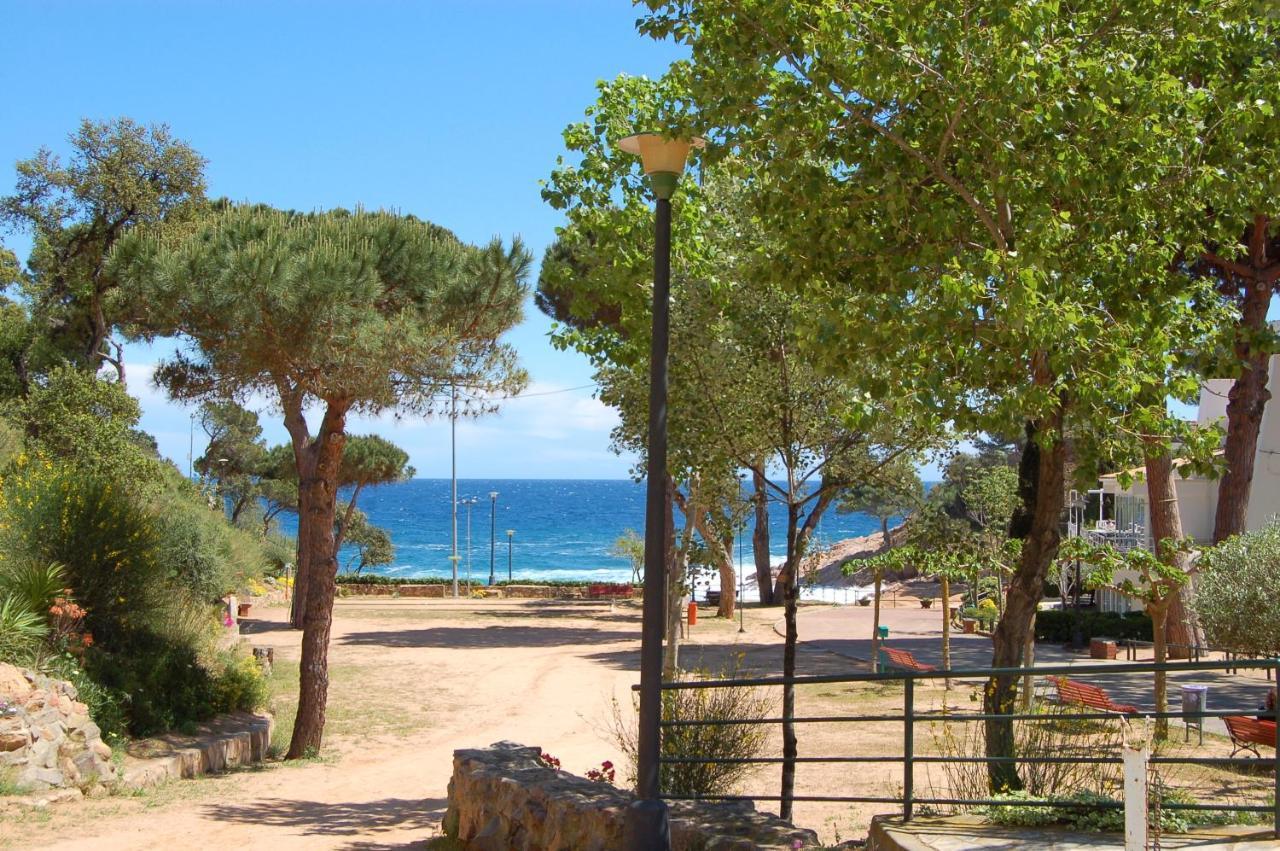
x=1236 y=592
x=120 y=174
x=347 y=312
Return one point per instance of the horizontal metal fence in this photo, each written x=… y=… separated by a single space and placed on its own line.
x=909 y=717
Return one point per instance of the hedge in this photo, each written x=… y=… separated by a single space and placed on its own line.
x=378 y=579
x=1055 y=625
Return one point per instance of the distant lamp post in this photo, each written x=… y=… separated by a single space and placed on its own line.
x=662 y=160
x=511 y=533
x=468 y=502
x=493 y=532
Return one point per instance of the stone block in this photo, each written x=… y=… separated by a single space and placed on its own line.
x=420 y=590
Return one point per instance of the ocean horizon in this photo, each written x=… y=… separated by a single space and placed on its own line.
x=563 y=529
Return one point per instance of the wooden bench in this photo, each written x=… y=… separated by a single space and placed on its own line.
x=904 y=660
x=1246 y=733
x=1076 y=693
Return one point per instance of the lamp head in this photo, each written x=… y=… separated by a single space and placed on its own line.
x=662 y=158
x=510 y=532
x=493 y=494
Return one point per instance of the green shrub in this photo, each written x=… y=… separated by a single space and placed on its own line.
x=240 y=684
x=1056 y=626
x=984 y=616
x=1103 y=814
x=106 y=706
x=725 y=741
x=162 y=684
x=106 y=544
x=21 y=632
x=202 y=553
x=1237 y=591
x=33 y=584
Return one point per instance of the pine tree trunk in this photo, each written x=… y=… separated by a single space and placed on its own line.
x=760 y=541
x=1044 y=496
x=302 y=576
x=1248 y=397
x=313 y=687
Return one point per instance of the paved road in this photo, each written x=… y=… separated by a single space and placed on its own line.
x=846 y=630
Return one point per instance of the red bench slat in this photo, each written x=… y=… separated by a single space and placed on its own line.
x=904 y=659
x=1073 y=691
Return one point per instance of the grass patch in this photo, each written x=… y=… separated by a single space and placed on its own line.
x=9 y=781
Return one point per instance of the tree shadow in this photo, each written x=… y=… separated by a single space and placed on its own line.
x=742 y=660
x=253 y=626
x=488 y=637
x=562 y=610
x=316 y=818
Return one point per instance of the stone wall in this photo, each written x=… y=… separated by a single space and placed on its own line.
x=502 y=797
x=47 y=739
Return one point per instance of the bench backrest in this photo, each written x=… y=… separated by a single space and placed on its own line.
x=901 y=658
x=1244 y=729
x=1072 y=691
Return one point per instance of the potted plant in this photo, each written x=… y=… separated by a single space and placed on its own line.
x=926 y=602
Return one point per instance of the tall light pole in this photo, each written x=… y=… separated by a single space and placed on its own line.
x=468 y=502
x=453 y=479
x=511 y=533
x=493 y=531
x=662 y=160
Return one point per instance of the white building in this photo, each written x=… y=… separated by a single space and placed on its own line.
x=1198 y=496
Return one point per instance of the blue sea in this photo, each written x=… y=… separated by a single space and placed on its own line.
x=562 y=528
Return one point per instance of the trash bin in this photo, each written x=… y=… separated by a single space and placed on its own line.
x=1195 y=699
x=884 y=632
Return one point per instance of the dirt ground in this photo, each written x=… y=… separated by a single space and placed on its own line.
x=414 y=679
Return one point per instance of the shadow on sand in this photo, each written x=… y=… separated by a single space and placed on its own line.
x=314 y=818
x=488 y=637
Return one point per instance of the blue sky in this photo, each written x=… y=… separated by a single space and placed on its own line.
x=451 y=111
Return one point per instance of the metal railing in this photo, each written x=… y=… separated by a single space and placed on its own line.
x=909 y=717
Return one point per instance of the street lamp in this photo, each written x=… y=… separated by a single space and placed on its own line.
x=662 y=160
x=493 y=531
x=468 y=502
x=510 y=534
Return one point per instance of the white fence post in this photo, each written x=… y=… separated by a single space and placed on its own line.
x=1135 y=797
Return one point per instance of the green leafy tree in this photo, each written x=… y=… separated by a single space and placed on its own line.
x=372 y=543
x=1155 y=582
x=998 y=206
x=895 y=491
x=235 y=455
x=742 y=392
x=120 y=174
x=630 y=545
x=341 y=311
x=90 y=424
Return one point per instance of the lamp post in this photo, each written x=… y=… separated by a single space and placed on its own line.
x=510 y=535
x=453 y=480
x=493 y=531
x=662 y=160
x=468 y=502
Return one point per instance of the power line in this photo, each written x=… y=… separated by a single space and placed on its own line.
x=530 y=395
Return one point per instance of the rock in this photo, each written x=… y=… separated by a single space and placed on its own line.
x=48 y=736
x=14 y=739
x=14 y=685
x=502 y=797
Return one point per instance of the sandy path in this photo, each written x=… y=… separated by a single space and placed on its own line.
x=457 y=675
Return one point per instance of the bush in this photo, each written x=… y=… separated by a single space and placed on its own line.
x=1056 y=626
x=1097 y=813
x=160 y=682
x=730 y=741
x=983 y=615
x=1237 y=590
x=202 y=553
x=240 y=684
x=106 y=544
x=21 y=632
